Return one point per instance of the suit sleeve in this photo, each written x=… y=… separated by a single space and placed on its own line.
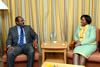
x=9 y=39
x=33 y=34
x=92 y=37
x=76 y=33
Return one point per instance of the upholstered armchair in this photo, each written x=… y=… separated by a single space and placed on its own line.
x=94 y=59
x=21 y=60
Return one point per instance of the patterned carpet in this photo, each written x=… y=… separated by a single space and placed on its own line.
x=1 y=65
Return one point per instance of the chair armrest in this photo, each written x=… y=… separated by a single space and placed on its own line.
x=35 y=47
x=72 y=45
x=5 y=50
x=98 y=49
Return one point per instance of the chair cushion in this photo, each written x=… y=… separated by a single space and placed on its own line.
x=95 y=57
x=70 y=54
x=21 y=57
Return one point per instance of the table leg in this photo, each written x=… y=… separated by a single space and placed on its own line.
x=65 y=56
x=43 y=55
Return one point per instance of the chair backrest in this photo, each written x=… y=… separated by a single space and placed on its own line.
x=97 y=36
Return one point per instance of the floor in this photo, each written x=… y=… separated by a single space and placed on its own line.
x=1 y=64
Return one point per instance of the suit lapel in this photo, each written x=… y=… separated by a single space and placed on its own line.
x=16 y=32
x=87 y=33
x=25 y=30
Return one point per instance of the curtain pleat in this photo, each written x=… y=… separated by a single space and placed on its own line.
x=57 y=17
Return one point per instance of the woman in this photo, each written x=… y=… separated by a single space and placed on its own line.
x=85 y=41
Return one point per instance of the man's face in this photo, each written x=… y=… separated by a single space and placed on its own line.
x=20 y=22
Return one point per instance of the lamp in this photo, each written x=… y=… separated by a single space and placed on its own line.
x=3 y=6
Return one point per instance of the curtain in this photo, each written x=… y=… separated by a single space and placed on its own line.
x=46 y=17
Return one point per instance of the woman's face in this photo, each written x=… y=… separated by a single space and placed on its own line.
x=83 y=21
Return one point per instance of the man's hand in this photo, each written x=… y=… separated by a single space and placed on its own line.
x=10 y=48
x=35 y=44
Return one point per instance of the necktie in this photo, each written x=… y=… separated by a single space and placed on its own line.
x=21 y=36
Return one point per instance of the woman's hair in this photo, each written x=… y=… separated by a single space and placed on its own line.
x=87 y=18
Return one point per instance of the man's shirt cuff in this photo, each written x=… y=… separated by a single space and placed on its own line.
x=8 y=46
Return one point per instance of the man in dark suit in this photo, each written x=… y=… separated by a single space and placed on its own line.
x=20 y=38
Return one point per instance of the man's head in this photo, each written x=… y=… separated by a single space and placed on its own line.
x=19 y=21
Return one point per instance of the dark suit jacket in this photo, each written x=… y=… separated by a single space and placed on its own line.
x=13 y=35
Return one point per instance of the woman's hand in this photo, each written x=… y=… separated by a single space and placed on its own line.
x=77 y=43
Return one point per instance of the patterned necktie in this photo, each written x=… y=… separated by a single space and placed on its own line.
x=21 y=37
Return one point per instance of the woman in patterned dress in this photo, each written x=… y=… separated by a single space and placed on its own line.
x=85 y=41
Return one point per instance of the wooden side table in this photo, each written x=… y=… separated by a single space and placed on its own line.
x=57 y=47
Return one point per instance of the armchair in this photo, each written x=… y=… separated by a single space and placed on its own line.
x=94 y=59
x=21 y=60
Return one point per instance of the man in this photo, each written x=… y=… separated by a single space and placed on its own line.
x=20 y=38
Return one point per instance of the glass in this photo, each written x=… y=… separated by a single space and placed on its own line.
x=53 y=36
